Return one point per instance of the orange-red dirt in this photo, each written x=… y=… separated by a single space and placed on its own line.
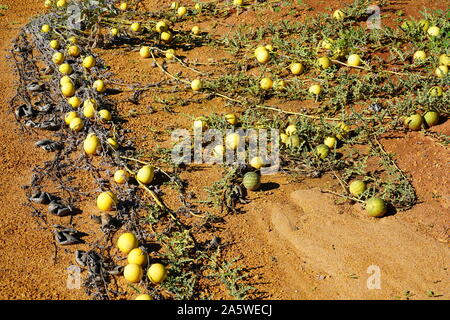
x=295 y=242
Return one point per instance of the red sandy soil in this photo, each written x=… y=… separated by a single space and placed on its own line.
x=307 y=246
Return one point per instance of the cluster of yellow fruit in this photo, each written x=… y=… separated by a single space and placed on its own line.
x=262 y=54
x=162 y=27
x=232 y=140
x=441 y=70
x=137 y=259
x=91 y=144
x=88 y=62
x=375 y=207
x=176 y=6
x=416 y=121
x=106 y=201
x=59 y=3
x=291 y=139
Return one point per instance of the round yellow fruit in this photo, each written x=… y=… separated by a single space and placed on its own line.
x=135 y=27
x=99 y=86
x=65 y=68
x=296 y=68
x=196 y=30
x=113 y=143
x=65 y=79
x=73 y=40
x=331 y=142
x=61 y=3
x=266 y=83
x=198 y=6
x=196 y=85
x=257 y=162
x=90 y=103
x=434 y=31
x=170 y=54
x=74 y=51
x=106 y=201
x=344 y=130
x=357 y=187
x=231 y=118
x=46 y=28
x=123 y=6
x=76 y=124
x=291 y=129
x=354 y=60
x=161 y=26
x=157 y=273
x=58 y=58
x=327 y=43
x=283 y=137
x=54 y=44
x=114 y=32
x=105 y=115
x=144 y=52
x=322 y=151
x=339 y=15
x=376 y=207
x=89 y=110
x=91 y=144
x=414 y=122
x=431 y=118
x=89 y=62
x=68 y=89
x=48 y=3
x=166 y=36
x=444 y=60
x=419 y=55
x=145 y=174
x=75 y=102
x=293 y=141
x=181 y=11
x=121 y=176
x=436 y=91
x=315 y=89
x=441 y=71
x=232 y=141
x=137 y=256
x=259 y=48
x=324 y=62
x=144 y=297
x=69 y=116
x=133 y=273
x=238 y=2
x=127 y=242
x=262 y=55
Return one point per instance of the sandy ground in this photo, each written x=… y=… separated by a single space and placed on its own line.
x=308 y=247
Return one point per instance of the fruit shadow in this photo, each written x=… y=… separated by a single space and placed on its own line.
x=111 y=92
x=151 y=246
x=391 y=210
x=267 y=186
